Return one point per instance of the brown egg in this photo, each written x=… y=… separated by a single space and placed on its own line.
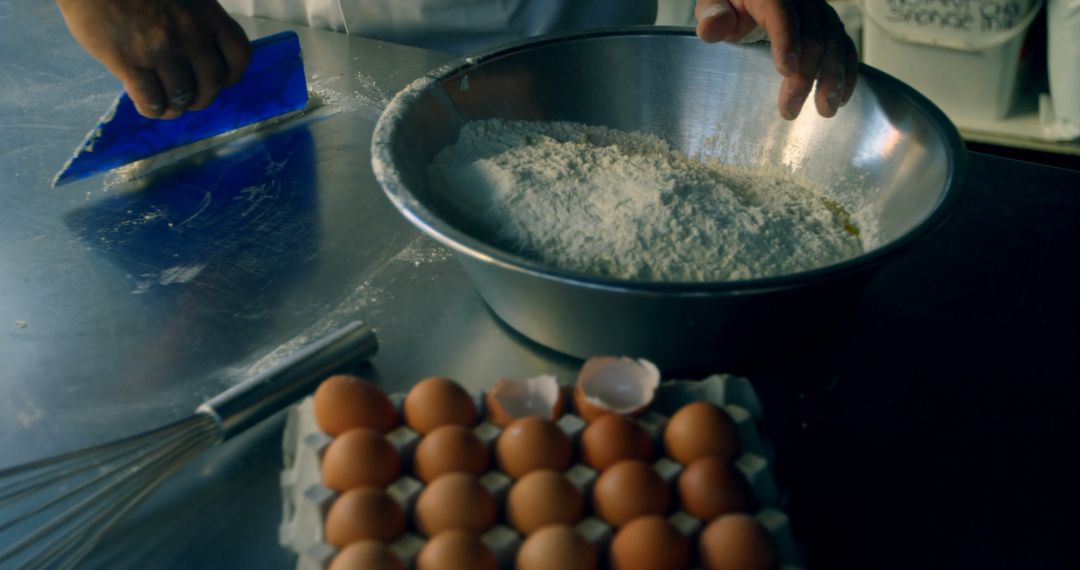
x=366 y=555
x=736 y=542
x=542 y=498
x=649 y=543
x=456 y=550
x=455 y=500
x=628 y=490
x=360 y=457
x=698 y=430
x=711 y=486
x=530 y=444
x=344 y=402
x=448 y=449
x=436 y=402
x=556 y=547
x=610 y=439
x=359 y=514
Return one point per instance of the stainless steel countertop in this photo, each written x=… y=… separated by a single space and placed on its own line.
x=123 y=306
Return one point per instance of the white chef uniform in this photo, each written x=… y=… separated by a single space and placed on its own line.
x=455 y=26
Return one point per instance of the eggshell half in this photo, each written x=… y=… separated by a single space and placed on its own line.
x=615 y=385
x=511 y=399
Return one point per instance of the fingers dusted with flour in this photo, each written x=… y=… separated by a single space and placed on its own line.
x=172 y=56
x=833 y=76
x=718 y=21
x=808 y=45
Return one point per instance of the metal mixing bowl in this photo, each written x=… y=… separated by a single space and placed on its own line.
x=889 y=147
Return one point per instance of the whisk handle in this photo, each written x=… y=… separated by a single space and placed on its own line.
x=258 y=398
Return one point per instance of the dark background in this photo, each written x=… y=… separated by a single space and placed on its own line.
x=939 y=433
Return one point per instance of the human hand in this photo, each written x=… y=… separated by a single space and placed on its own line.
x=172 y=55
x=808 y=44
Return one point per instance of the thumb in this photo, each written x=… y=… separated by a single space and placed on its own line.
x=716 y=20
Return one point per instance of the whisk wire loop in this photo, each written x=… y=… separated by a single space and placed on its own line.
x=126 y=494
x=107 y=486
x=54 y=511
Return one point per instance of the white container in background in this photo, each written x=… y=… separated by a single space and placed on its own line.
x=965 y=55
x=1063 y=62
x=675 y=13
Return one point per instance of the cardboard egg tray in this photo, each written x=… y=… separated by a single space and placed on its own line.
x=306 y=500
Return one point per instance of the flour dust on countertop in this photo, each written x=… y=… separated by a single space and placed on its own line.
x=626 y=205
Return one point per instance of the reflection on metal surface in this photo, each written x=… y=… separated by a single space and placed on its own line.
x=212 y=239
x=113 y=322
x=238 y=220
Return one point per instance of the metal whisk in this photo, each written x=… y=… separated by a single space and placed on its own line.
x=54 y=511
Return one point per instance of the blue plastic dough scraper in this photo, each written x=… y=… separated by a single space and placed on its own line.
x=273 y=84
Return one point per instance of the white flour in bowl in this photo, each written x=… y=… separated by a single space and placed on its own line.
x=619 y=204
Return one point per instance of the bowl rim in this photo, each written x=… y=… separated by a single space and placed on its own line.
x=388 y=176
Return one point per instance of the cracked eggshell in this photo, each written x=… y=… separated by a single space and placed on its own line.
x=615 y=385
x=511 y=399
